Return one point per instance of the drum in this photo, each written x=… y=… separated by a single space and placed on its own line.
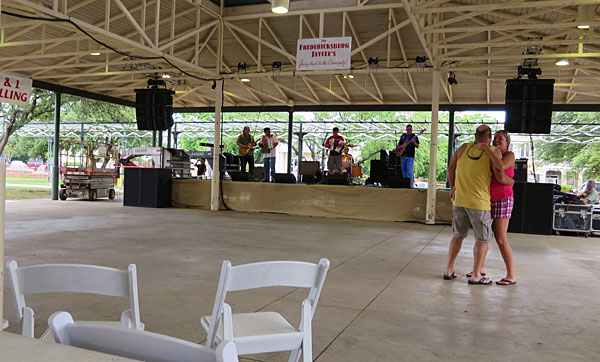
x=356 y=171
x=346 y=161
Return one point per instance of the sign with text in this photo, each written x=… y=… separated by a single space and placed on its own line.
x=14 y=90
x=324 y=53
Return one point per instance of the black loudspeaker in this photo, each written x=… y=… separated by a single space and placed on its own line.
x=529 y=105
x=398 y=182
x=285 y=178
x=147 y=187
x=378 y=171
x=308 y=179
x=532 y=211
x=308 y=168
x=337 y=179
x=239 y=176
x=259 y=173
x=154 y=109
x=521 y=170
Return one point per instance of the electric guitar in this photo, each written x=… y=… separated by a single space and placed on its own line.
x=244 y=151
x=401 y=148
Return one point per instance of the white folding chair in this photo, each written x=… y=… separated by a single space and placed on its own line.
x=72 y=278
x=135 y=344
x=266 y=331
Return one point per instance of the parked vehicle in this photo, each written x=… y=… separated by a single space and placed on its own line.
x=34 y=164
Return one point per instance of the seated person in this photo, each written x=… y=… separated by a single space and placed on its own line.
x=590 y=195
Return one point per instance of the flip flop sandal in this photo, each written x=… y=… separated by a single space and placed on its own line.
x=506 y=282
x=449 y=277
x=481 y=281
x=470 y=275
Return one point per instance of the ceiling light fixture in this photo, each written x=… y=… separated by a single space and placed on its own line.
x=245 y=80
x=561 y=62
x=280 y=6
x=585 y=15
x=166 y=76
x=94 y=48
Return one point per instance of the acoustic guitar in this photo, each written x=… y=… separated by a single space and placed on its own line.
x=401 y=148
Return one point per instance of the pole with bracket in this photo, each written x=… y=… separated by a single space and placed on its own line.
x=216 y=175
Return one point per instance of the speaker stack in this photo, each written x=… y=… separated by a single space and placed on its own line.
x=529 y=105
x=154 y=108
x=532 y=211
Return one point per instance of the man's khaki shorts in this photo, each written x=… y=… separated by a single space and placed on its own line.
x=480 y=220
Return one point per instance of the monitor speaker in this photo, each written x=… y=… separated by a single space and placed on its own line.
x=154 y=109
x=239 y=175
x=337 y=179
x=398 y=182
x=528 y=105
x=285 y=178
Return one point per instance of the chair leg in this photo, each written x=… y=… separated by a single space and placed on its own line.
x=295 y=355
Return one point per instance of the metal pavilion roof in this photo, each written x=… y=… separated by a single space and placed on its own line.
x=362 y=129
x=192 y=41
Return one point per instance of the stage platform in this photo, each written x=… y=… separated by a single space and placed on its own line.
x=353 y=202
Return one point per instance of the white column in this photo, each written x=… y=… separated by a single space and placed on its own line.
x=431 y=188
x=2 y=197
x=216 y=175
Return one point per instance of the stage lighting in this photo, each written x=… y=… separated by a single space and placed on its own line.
x=452 y=79
x=214 y=85
x=280 y=6
x=276 y=65
x=373 y=60
x=420 y=59
x=241 y=66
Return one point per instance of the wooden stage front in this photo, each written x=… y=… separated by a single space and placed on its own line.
x=354 y=202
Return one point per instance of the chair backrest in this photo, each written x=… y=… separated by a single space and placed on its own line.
x=74 y=278
x=268 y=274
x=133 y=343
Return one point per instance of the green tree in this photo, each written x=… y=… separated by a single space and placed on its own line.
x=40 y=107
x=588 y=161
x=30 y=148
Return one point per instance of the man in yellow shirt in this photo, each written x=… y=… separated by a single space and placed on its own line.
x=469 y=175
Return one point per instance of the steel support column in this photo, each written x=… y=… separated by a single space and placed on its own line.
x=432 y=182
x=216 y=175
x=56 y=159
x=290 y=137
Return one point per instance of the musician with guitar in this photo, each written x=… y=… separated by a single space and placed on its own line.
x=406 y=150
x=246 y=144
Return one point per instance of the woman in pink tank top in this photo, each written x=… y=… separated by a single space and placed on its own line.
x=502 y=204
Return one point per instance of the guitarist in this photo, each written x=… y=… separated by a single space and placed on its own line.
x=245 y=142
x=406 y=150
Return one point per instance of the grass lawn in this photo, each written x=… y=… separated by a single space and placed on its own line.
x=26 y=181
x=22 y=193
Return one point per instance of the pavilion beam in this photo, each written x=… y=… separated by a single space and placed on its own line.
x=189 y=35
x=310 y=88
x=134 y=23
x=263 y=42
x=328 y=90
x=414 y=97
x=315 y=101
x=364 y=56
x=279 y=43
x=379 y=100
x=343 y=88
x=503 y=6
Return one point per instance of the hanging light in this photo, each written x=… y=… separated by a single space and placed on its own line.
x=585 y=15
x=94 y=48
x=245 y=80
x=280 y=6
x=561 y=62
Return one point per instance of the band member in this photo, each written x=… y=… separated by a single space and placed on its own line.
x=245 y=143
x=267 y=143
x=335 y=144
x=406 y=150
x=201 y=164
x=347 y=161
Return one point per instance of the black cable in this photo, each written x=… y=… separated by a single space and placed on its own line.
x=69 y=21
x=533 y=159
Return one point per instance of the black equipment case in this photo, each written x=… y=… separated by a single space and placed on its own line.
x=570 y=217
x=596 y=219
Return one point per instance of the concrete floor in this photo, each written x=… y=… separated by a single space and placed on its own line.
x=383 y=300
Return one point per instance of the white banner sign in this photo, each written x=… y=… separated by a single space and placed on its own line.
x=324 y=53
x=15 y=90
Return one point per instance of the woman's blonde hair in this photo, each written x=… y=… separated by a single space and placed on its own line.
x=505 y=133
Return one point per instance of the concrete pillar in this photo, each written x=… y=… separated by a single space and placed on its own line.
x=431 y=189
